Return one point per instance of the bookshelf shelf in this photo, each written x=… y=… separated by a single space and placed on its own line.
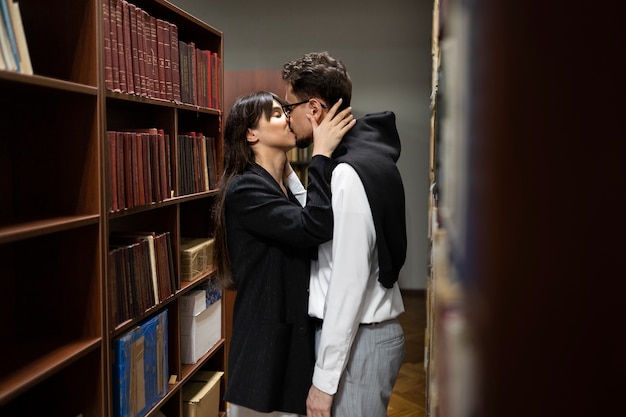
x=32 y=372
x=28 y=229
x=35 y=81
x=59 y=300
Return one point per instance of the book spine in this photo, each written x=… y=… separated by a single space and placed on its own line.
x=161 y=57
x=155 y=58
x=175 y=58
x=167 y=49
x=116 y=12
x=8 y=25
x=128 y=48
x=108 y=60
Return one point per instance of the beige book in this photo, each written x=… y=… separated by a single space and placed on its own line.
x=20 y=38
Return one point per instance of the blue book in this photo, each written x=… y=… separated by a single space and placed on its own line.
x=140 y=367
x=6 y=18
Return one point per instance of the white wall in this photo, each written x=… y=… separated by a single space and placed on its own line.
x=386 y=46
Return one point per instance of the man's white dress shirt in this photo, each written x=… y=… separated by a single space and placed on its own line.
x=344 y=287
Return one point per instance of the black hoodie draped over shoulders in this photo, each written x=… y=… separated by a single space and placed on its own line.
x=372 y=148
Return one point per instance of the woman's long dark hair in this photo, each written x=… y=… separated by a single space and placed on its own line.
x=244 y=114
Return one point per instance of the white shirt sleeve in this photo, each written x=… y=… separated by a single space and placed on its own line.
x=348 y=275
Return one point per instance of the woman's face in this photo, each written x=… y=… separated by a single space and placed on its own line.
x=275 y=132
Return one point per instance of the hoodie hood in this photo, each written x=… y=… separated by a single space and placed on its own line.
x=373 y=133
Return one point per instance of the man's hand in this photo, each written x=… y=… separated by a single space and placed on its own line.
x=318 y=403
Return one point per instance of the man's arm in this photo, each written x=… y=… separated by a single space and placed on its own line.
x=354 y=239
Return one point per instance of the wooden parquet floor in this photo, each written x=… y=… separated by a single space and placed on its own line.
x=408 y=397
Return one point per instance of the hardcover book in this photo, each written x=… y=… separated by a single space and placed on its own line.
x=140 y=367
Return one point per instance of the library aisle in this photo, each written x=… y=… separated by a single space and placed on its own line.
x=408 y=397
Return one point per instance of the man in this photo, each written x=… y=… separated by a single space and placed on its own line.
x=353 y=288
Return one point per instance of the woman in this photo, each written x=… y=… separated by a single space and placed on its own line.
x=264 y=241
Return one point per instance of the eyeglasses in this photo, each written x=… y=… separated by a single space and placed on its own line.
x=289 y=106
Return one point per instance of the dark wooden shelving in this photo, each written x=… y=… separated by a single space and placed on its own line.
x=56 y=222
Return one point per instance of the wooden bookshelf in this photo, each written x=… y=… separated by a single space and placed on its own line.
x=449 y=351
x=56 y=218
x=529 y=171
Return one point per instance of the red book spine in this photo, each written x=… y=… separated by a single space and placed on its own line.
x=218 y=75
x=134 y=169
x=115 y=66
x=194 y=79
x=214 y=80
x=120 y=168
x=116 y=10
x=175 y=58
x=108 y=61
x=128 y=173
x=128 y=48
x=147 y=168
x=162 y=167
x=136 y=30
x=161 y=57
x=144 y=40
x=209 y=78
x=111 y=138
x=141 y=196
x=155 y=58
x=167 y=49
x=168 y=165
x=156 y=174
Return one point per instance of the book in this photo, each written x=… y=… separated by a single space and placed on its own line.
x=146 y=83
x=112 y=170
x=193 y=92
x=209 y=86
x=175 y=58
x=161 y=57
x=155 y=164
x=140 y=367
x=167 y=51
x=170 y=165
x=120 y=170
x=137 y=71
x=134 y=169
x=165 y=265
x=112 y=38
x=8 y=58
x=162 y=167
x=128 y=171
x=212 y=163
x=139 y=167
x=3 y=65
x=8 y=26
x=216 y=65
x=183 y=55
x=147 y=167
x=154 y=57
x=117 y=12
x=128 y=53
x=20 y=38
x=108 y=60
